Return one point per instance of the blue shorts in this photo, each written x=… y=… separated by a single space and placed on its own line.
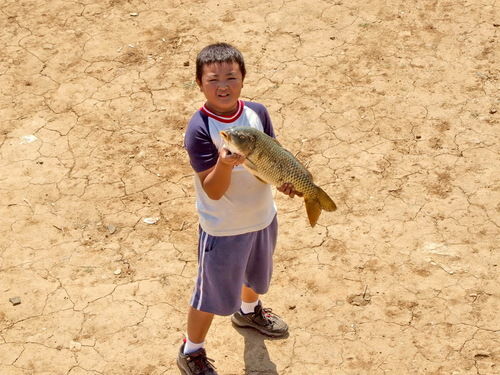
x=225 y=263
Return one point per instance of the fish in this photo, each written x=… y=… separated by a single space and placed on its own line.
x=273 y=164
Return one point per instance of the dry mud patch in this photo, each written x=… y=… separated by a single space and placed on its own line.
x=392 y=105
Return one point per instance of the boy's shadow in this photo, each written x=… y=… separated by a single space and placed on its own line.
x=257 y=360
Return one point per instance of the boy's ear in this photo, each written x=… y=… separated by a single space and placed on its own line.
x=198 y=82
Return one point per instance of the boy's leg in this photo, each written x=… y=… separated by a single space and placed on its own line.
x=258 y=276
x=193 y=360
x=217 y=289
x=249 y=300
x=248 y=295
x=198 y=325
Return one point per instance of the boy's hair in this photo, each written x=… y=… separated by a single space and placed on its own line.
x=219 y=53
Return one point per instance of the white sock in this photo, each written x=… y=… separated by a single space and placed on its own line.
x=191 y=347
x=248 y=307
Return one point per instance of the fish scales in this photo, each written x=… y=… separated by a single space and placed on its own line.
x=276 y=165
x=271 y=163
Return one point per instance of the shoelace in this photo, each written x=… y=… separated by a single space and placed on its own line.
x=267 y=314
x=202 y=363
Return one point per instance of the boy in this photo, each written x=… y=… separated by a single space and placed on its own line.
x=237 y=214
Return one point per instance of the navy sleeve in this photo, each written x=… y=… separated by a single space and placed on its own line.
x=264 y=117
x=202 y=152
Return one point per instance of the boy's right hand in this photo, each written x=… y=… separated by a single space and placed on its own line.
x=216 y=180
x=228 y=158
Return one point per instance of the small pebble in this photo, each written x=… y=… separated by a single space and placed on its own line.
x=151 y=220
x=134 y=14
x=15 y=301
x=30 y=138
x=482 y=354
x=111 y=229
x=117 y=271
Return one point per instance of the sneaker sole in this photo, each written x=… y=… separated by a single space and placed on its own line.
x=264 y=332
x=183 y=372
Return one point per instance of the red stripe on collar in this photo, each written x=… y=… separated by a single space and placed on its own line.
x=225 y=119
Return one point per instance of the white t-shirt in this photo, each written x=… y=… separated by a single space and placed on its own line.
x=248 y=203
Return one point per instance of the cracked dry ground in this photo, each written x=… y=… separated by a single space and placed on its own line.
x=394 y=108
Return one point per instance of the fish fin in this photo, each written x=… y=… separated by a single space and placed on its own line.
x=313 y=209
x=260 y=179
x=250 y=165
x=325 y=201
x=252 y=168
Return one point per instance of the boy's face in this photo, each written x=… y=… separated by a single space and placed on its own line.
x=221 y=83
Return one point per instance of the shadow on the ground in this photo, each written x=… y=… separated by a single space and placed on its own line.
x=257 y=359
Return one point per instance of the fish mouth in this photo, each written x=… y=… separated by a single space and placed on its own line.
x=225 y=136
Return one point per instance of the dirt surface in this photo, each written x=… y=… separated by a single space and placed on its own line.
x=393 y=106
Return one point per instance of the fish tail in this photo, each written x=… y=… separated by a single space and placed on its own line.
x=313 y=209
x=315 y=204
x=325 y=201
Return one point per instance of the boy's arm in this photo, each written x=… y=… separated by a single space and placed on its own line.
x=216 y=180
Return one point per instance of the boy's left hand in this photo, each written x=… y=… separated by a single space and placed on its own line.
x=288 y=189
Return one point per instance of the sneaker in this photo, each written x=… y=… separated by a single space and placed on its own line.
x=263 y=320
x=195 y=363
